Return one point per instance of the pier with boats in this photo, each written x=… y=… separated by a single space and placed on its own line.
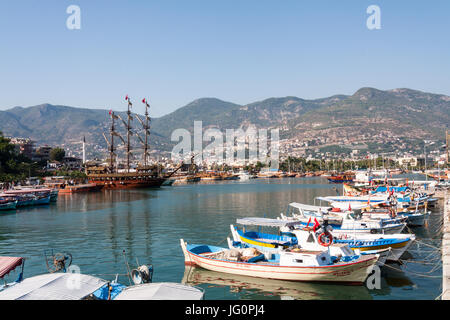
x=337 y=239
x=343 y=238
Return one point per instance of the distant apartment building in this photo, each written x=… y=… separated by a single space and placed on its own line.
x=23 y=146
x=411 y=161
x=42 y=153
x=68 y=163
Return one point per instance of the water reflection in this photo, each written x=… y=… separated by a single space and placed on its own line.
x=269 y=289
x=96 y=227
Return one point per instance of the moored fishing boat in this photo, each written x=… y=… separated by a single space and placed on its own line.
x=398 y=243
x=309 y=238
x=7 y=205
x=413 y=218
x=24 y=200
x=342 y=222
x=290 y=264
x=341 y=178
x=53 y=193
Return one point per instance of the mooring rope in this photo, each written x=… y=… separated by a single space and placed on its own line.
x=411 y=272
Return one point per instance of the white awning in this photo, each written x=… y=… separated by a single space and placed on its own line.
x=266 y=222
x=308 y=207
x=53 y=286
x=160 y=291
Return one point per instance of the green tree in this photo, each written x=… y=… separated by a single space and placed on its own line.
x=57 y=154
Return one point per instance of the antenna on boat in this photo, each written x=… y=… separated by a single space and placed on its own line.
x=126 y=263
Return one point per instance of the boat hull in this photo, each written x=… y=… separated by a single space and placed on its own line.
x=354 y=273
x=398 y=248
x=41 y=201
x=8 y=206
x=81 y=188
x=130 y=184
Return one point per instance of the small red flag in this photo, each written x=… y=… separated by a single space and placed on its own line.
x=143 y=100
x=308 y=221
x=126 y=98
x=349 y=207
x=110 y=111
x=316 y=224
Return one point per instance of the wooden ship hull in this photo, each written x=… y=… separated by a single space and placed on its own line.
x=126 y=181
x=79 y=188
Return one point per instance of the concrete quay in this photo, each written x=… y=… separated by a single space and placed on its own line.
x=446 y=249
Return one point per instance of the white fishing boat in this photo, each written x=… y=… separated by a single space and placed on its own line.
x=290 y=264
x=342 y=222
x=398 y=243
x=243 y=175
x=413 y=218
x=305 y=238
x=355 y=200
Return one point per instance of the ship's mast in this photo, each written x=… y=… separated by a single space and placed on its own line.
x=128 y=133
x=147 y=131
x=111 y=145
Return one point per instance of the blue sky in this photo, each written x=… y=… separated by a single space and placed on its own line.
x=242 y=51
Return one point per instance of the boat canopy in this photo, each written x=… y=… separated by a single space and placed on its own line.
x=8 y=264
x=395 y=189
x=53 y=286
x=160 y=291
x=355 y=205
x=23 y=191
x=266 y=222
x=308 y=207
x=351 y=205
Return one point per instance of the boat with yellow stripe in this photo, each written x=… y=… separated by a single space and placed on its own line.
x=308 y=237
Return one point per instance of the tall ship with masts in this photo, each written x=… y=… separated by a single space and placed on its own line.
x=144 y=175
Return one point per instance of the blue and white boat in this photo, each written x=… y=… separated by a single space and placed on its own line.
x=7 y=203
x=41 y=199
x=306 y=238
x=342 y=222
x=293 y=264
x=76 y=286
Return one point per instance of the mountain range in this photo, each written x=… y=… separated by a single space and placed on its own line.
x=400 y=113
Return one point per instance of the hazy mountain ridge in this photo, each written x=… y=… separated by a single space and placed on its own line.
x=399 y=111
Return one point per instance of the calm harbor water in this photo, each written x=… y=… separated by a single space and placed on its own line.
x=97 y=227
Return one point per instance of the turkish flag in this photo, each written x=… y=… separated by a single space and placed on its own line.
x=308 y=221
x=143 y=100
x=316 y=224
x=126 y=98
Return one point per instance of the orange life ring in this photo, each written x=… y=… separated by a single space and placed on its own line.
x=325 y=239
